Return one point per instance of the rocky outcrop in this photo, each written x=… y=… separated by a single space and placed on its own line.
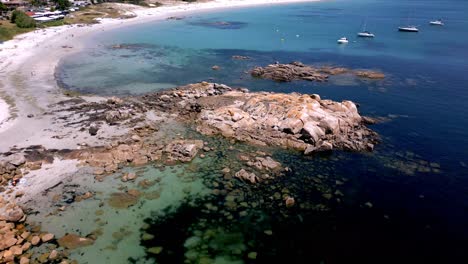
x=298 y=121
x=298 y=71
x=10 y=167
x=183 y=150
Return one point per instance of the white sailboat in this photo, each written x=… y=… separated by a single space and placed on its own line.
x=437 y=22
x=365 y=33
x=408 y=28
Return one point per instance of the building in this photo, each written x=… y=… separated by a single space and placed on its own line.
x=13 y=4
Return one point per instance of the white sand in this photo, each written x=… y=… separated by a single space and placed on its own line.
x=4 y=113
x=27 y=65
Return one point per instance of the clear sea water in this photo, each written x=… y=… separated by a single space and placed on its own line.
x=407 y=202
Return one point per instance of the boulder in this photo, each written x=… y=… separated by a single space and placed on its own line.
x=321 y=146
x=93 y=129
x=16 y=159
x=183 y=150
x=312 y=131
x=266 y=163
x=246 y=176
x=291 y=125
x=289 y=201
x=11 y=214
x=330 y=124
x=47 y=237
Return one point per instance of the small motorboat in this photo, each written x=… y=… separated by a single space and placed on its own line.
x=343 y=40
x=408 y=29
x=437 y=22
x=365 y=34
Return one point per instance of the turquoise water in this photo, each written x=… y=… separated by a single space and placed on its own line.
x=407 y=202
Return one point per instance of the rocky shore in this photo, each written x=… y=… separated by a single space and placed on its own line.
x=297 y=121
x=299 y=71
x=300 y=122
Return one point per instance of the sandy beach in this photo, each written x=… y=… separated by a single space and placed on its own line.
x=27 y=68
x=4 y=112
x=31 y=113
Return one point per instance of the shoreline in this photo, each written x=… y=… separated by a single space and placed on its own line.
x=56 y=142
x=27 y=68
x=4 y=113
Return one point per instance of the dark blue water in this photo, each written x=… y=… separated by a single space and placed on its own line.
x=416 y=180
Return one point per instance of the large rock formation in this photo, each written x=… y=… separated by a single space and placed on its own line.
x=298 y=71
x=298 y=121
x=303 y=122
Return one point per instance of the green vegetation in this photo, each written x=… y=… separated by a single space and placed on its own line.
x=89 y=14
x=38 y=2
x=22 y=20
x=21 y=23
x=62 y=4
x=54 y=23
x=3 y=7
x=8 y=30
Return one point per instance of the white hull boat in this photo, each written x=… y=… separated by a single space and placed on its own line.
x=408 y=29
x=343 y=40
x=436 y=23
x=365 y=34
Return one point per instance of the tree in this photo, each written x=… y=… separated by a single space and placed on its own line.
x=22 y=20
x=62 y=4
x=38 y=2
x=3 y=7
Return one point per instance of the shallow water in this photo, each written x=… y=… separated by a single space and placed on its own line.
x=406 y=202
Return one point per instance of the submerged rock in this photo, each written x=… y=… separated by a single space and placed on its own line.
x=154 y=250
x=239 y=57
x=298 y=71
x=289 y=201
x=246 y=176
x=123 y=199
x=72 y=241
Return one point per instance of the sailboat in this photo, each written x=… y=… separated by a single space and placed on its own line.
x=408 y=28
x=343 y=40
x=437 y=22
x=364 y=33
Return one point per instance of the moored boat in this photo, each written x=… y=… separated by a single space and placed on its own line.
x=437 y=22
x=343 y=40
x=366 y=34
x=408 y=29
